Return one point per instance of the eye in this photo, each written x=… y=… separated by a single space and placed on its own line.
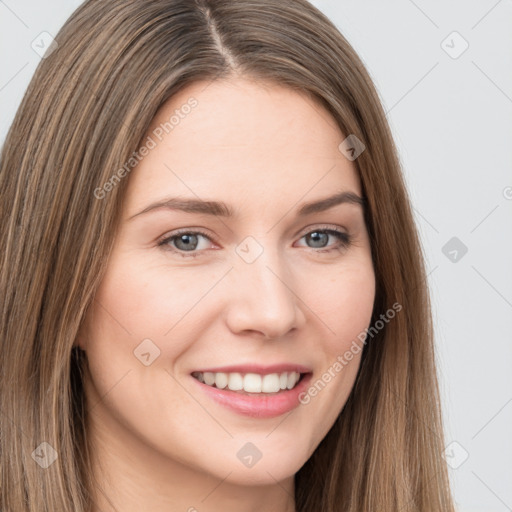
x=185 y=242
x=319 y=238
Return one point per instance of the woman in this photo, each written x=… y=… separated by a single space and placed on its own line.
x=214 y=293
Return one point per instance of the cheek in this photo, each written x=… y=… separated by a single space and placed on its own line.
x=345 y=305
x=150 y=300
x=130 y=316
x=142 y=309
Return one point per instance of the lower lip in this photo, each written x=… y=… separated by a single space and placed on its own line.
x=261 y=405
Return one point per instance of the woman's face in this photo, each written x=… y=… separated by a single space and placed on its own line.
x=246 y=299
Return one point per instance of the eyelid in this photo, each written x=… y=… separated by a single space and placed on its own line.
x=182 y=231
x=161 y=242
x=344 y=241
x=321 y=227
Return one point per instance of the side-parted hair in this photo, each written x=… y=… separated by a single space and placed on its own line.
x=84 y=114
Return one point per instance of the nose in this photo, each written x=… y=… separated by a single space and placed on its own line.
x=263 y=298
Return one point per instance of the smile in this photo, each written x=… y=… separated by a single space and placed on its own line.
x=250 y=382
x=253 y=390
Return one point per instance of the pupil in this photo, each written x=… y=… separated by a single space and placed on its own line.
x=319 y=237
x=188 y=241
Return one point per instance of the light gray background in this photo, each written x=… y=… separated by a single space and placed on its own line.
x=451 y=118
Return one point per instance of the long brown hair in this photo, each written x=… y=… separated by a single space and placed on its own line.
x=84 y=114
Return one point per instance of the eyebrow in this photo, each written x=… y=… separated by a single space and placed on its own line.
x=221 y=209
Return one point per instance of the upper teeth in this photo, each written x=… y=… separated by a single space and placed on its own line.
x=250 y=382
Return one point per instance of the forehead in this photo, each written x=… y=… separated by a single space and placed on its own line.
x=240 y=138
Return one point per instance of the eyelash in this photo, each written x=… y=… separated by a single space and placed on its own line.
x=345 y=240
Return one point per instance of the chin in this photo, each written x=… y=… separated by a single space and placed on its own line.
x=277 y=466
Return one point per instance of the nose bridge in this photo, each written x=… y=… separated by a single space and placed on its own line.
x=263 y=299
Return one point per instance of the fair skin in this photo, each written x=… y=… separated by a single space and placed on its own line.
x=160 y=442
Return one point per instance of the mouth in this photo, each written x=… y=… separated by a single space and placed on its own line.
x=253 y=390
x=252 y=384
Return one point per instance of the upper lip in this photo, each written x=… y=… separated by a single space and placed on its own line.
x=259 y=369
